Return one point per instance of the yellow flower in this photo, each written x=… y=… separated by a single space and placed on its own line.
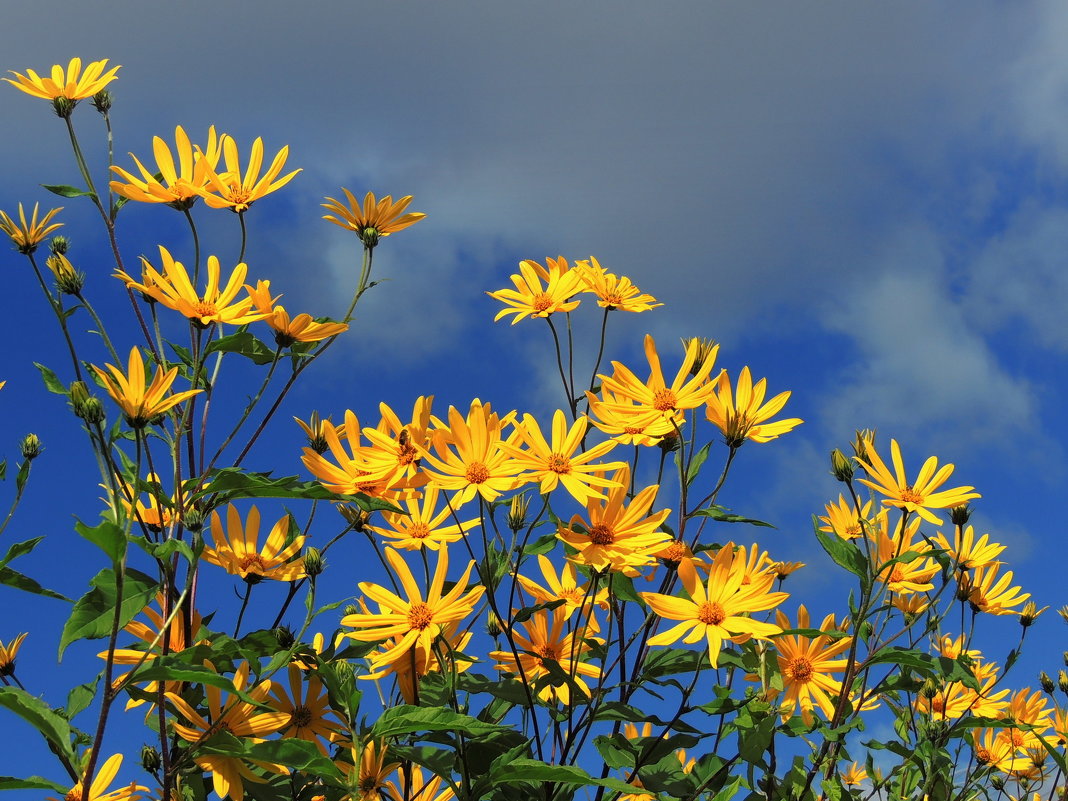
x=71 y=84
x=307 y=708
x=7 y=655
x=615 y=416
x=229 y=190
x=236 y=549
x=397 y=447
x=28 y=235
x=105 y=775
x=351 y=471
x=423 y=525
x=368 y=771
x=617 y=535
x=716 y=611
x=151 y=515
x=174 y=290
x=141 y=402
x=544 y=640
x=919 y=496
x=373 y=218
x=902 y=577
x=531 y=299
x=992 y=594
x=417 y=788
x=744 y=415
x=557 y=463
x=843 y=520
x=301 y=328
x=854 y=775
x=806 y=665
x=563 y=587
x=415 y=621
x=613 y=291
x=241 y=719
x=410 y=668
x=178 y=187
x=967 y=552
x=994 y=747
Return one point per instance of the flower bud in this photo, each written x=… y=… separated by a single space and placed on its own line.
x=1062 y=681
x=669 y=443
x=864 y=439
x=283 y=635
x=59 y=245
x=929 y=688
x=314 y=564
x=63 y=106
x=961 y=514
x=68 y=280
x=315 y=431
x=1030 y=613
x=997 y=783
x=354 y=515
x=30 y=447
x=493 y=625
x=517 y=511
x=91 y=411
x=102 y=101
x=150 y=759
x=705 y=349
x=350 y=609
x=193 y=519
x=1063 y=612
x=1046 y=683
x=841 y=466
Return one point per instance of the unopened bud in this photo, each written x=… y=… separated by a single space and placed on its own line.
x=314 y=564
x=68 y=280
x=961 y=514
x=1062 y=681
x=350 y=609
x=354 y=515
x=669 y=443
x=315 y=431
x=517 y=511
x=706 y=349
x=91 y=411
x=1063 y=612
x=30 y=447
x=493 y=625
x=862 y=441
x=1046 y=683
x=283 y=635
x=59 y=244
x=150 y=759
x=102 y=101
x=997 y=783
x=1030 y=613
x=193 y=519
x=929 y=688
x=841 y=466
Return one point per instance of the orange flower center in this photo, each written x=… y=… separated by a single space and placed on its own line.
x=419 y=531
x=1017 y=738
x=407 y=454
x=852 y=531
x=573 y=595
x=420 y=616
x=938 y=704
x=74 y=795
x=909 y=495
x=800 y=669
x=541 y=302
x=664 y=399
x=632 y=430
x=613 y=298
x=602 y=535
x=477 y=473
x=711 y=614
x=897 y=574
x=558 y=463
x=983 y=755
x=301 y=717
x=675 y=552
x=204 y=308
x=252 y=561
x=547 y=651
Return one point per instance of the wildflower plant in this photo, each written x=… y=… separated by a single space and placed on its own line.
x=553 y=608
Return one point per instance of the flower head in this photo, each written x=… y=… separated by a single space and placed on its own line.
x=236 y=548
x=423 y=525
x=744 y=414
x=8 y=653
x=28 y=235
x=563 y=587
x=806 y=665
x=70 y=84
x=373 y=218
x=532 y=298
x=988 y=592
x=308 y=708
x=301 y=328
x=842 y=519
x=967 y=551
x=231 y=190
x=368 y=771
x=177 y=185
x=141 y=402
x=613 y=291
x=98 y=791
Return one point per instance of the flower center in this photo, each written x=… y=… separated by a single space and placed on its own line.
x=547 y=652
x=800 y=669
x=74 y=795
x=613 y=298
x=602 y=535
x=301 y=717
x=574 y=595
x=477 y=473
x=420 y=616
x=368 y=784
x=1017 y=738
x=633 y=430
x=909 y=495
x=852 y=531
x=938 y=704
x=541 y=302
x=897 y=574
x=204 y=308
x=419 y=531
x=407 y=454
x=664 y=400
x=253 y=561
x=675 y=552
x=983 y=755
x=558 y=463
x=711 y=614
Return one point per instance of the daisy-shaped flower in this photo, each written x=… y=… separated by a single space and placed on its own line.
x=27 y=235
x=1031 y=711
x=716 y=611
x=967 y=551
x=152 y=515
x=287 y=330
x=551 y=464
x=175 y=290
x=308 y=706
x=367 y=772
x=468 y=456
x=178 y=185
x=105 y=775
x=533 y=298
x=919 y=496
x=807 y=665
x=409 y=669
x=994 y=747
x=563 y=586
x=8 y=653
x=345 y=468
x=397 y=447
x=743 y=414
x=230 y=190
x=412 y=785
x=241 y=719
x=424 y=525
x=842 y=519
x=911 y=574
x=854 y=775
x=371 y=219
x=415 y=621
x=615 y=416
x=141 y=402
x=613 y=291
x=236 y=548
x=70 y=84
x=617 y=535
x=988 y=592
x=544 y=639
x=654 y=400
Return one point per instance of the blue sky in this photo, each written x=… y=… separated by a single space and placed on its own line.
x=863 y=202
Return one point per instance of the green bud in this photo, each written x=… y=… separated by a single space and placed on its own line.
x=68 y=280
x=841 y=466
x=150 y=759
x=493 y=625
x=961 y=514
x=193 y=520
x=351 y=609
x=284 y=637
x=355 y=516
x=30 y=447
x=1046 y=683
x=369 y=236
x=59 y=245
x=517 y=511
x=102 y=101
x=314 y=564
x=1062 y=681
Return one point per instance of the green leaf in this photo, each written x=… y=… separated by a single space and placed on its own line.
x=31 y=783
x=51 y=382
x=23 y=475
x=107 y=536
x=695 y=463
x=13 y=578
x=671 y=661
x=244 y=344
x=94 y=613
x=723 y=516
x=527 y=612
x=843 y=553
x=20 y=549
x=64 y=190
x=231 y=483
x=401 y=720
x=38 y=714
x=180 y=667
x=80 y=697
x=524 y=769
x=291 y=752
x=754 y=739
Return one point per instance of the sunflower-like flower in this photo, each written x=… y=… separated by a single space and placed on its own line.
x=152 y=515
x=919 y=496
x=842 y=519
x=241 y=719
x=8 y=653
x=230 y=190
x=350 y=471
x=531 y=298
x=141 y=402
x=179 y=185
x=988 y=592
x=28 y=235
x=423 y=525
x=967 y=551
x=415 y=621
x=397 y=447
x=854 y=775
x=613 y=291
x=615 y=416
x=409 y=669
x=302 y=328
x=546 y=639
x=411 y=784
x=371 y=219
x=236 y=548
x=617 y=535
x=367 y=772
x=910 y=574
x=98 y=791
x=806 y=665
x=308 y=709
x=994 y=748
x=744 y=414
x=716 y=611
x=70 y=84
x=173 y=288
x=555 y=463
x=563 y=587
